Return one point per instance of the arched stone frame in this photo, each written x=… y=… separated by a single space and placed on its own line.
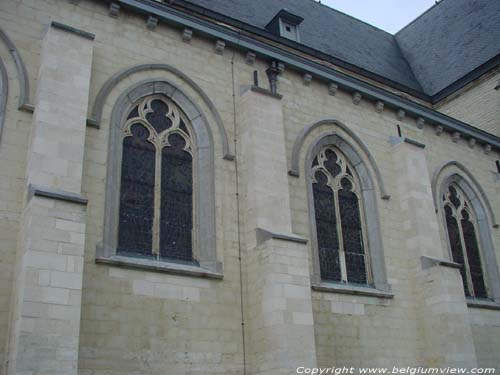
x=299 y=141
x=454 y=172
x=369 y=205
x=4 y=92
x=463 y=170
x=22 y=74
x=113 y=81
x=204 y=187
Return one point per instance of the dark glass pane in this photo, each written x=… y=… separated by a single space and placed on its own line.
x=136 y=193
x=158 y=118
x=346 y=184
x=471 y=245
x=356 y=268
x=133 y=113
x=183 y=127
x=454 y=197
x=456 y=245
x=331 y=163
x=326 y=229
x=176 y=220
x=352 y=234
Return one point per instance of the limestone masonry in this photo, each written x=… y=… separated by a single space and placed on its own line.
x=265 y=91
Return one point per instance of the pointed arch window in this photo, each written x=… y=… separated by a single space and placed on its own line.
x=156 y=188
x=462 y=229
x=341 y=238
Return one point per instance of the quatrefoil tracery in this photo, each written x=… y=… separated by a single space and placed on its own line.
x=334 y=181
x=174 y=115
x=457 y=203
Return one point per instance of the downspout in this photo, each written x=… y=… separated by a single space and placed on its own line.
x=238 y=215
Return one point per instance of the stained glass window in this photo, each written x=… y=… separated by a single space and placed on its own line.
x=464 y=245
x=352 y=234
x=456 y=245
x=339 y=229
x=326 y=227
x=156 y=190
x=176 y=200
x=137 y=192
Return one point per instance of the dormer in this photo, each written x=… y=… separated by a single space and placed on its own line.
x=285 y=24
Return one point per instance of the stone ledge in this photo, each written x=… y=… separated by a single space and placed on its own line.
x=30 y=108
x=62 y=195
x=264 y=235
x=159 y=266
x=266 y=92
x=398 y=140
x=72 y=30
x=428 y=262
x=261 y=90
x=414 y=143
x=482 y=304
x=350 y=289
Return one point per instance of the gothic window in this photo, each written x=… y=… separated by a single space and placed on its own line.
x=461 y=226
x=339 y=219
x=156 y=189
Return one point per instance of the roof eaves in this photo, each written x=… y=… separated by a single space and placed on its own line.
x=466 y=79
x=418 y=93
x=238 y=40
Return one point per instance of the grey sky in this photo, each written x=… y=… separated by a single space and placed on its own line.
x=388 y=15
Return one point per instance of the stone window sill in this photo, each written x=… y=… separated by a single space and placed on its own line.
x=160 y=266
x=351 y=289
x=482 y=304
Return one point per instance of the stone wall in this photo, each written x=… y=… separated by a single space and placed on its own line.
x=13 y=145
x=140 y=321
x=372 y=339
x=478 y=103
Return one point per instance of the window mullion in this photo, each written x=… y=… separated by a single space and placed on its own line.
x=157 y=199
x=366 y=254
x=466 y=258
x=343 y=266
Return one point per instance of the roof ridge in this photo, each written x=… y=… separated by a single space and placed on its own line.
x=437 y=2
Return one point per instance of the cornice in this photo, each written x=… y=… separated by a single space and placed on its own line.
x=235 y=39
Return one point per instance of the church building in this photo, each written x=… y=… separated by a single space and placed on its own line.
x=247 y=187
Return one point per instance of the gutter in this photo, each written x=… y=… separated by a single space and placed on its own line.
x=218 y=17
x=242 y=42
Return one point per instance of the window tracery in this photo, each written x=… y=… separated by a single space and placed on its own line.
x=156 y=190
x=461 y=225
x=340 y=236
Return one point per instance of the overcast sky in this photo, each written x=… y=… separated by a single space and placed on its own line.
x=388 y=15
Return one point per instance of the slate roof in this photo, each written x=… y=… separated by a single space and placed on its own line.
x=449 y=40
